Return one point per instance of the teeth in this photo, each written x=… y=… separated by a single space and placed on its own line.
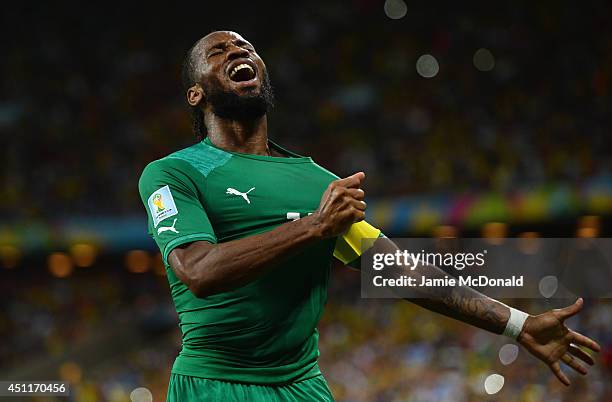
x=240 y=67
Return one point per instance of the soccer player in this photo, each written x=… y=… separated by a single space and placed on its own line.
x=248 y=230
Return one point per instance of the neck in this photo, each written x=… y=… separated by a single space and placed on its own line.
x=249 y=137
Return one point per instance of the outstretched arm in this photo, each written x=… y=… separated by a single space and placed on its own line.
x=544 y=336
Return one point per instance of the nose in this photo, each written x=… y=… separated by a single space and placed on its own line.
x=236 y=52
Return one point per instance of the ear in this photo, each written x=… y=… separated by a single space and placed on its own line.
x=195 y=94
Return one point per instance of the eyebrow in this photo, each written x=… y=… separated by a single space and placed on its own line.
x=242 y=42
x=223 y=44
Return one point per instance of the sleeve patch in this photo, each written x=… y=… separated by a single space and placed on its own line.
x=161 y=205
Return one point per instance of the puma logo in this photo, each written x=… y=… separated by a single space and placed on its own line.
x=233 y=191
x=163 y=229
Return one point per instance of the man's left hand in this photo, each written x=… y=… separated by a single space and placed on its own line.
x=546 y=337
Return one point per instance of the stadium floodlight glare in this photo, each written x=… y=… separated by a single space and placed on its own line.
x=395 y=9
x=427 y=66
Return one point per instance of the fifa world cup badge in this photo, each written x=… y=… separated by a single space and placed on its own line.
x=161 y=205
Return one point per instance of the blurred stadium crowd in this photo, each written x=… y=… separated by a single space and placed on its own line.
x=347 y=93
x=121 y=335
x=88 y=99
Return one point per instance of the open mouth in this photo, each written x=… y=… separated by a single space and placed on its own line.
x=242 y=72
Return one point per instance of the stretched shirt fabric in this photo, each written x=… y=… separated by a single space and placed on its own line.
x=264 y=332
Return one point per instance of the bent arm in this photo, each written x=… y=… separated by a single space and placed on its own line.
x=214 y=268
x=208 y=268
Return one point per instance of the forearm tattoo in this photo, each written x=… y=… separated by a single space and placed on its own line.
x=459 y=302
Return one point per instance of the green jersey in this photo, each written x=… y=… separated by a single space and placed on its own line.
x=264 y=332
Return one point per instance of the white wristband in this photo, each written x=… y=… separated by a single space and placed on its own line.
x=515 y=323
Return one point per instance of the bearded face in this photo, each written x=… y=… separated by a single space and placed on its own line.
x=233 y=77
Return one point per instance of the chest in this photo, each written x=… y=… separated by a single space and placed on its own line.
x=254 y=196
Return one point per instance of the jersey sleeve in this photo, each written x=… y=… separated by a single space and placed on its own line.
x=349 y=246
x=175 y=211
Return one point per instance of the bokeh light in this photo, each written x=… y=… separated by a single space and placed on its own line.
x=71 y=372
x=445 y=232
x=141 y=394
x=138 y=261
x=493 y=384
x=588 y=227
x=548 y=286
x=484 y=60
x=395 y=9
x=9 y=256
x=508 y=353
x=495 y=232
x=427 y=66
x=529 y=242
x=83 y=254
x=60 y=265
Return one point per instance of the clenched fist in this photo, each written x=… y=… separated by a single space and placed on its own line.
x=341 y=205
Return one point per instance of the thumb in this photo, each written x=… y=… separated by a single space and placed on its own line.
x=353 y=181
x=571 y=310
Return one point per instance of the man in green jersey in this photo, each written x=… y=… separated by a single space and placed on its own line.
x=248 y=231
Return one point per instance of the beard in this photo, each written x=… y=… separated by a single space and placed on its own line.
x=229 y=105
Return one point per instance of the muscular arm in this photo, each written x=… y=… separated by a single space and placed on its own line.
x=459 y=302
x=213 y=268
x=467 y=305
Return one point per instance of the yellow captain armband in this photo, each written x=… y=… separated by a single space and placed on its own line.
x=348 y=246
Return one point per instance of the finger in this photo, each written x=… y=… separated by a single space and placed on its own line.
x=569 y=311
x=581 y=354
x=582 y=340
x=573 y=363
x=358 y=215
x=353 y=181
x=360 y=205
x=556 y=369
x=356 y=193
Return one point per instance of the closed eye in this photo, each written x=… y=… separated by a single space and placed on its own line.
x=215 y=52
x=220 y=48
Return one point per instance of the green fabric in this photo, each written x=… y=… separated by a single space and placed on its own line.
x=264 y=332
x=193 y=389
x=192 y=155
